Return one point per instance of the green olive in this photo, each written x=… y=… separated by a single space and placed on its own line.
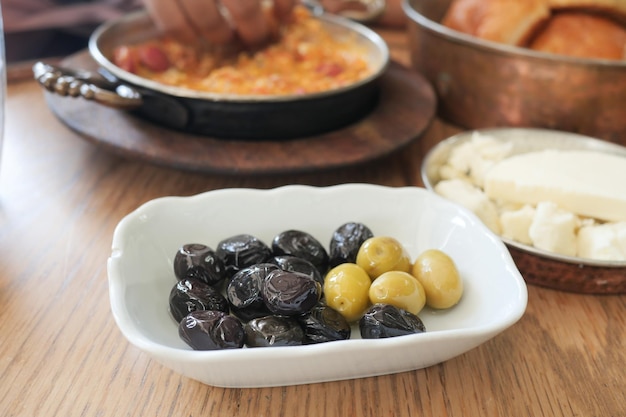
x=440 y=277
x=380 y=254
x=400 y=289
x=346 y=288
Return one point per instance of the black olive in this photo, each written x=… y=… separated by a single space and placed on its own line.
x=191 y=295
x=294 y=264
x=301 y=245
x=384 y=320
x=244 y=291
x=346 y=241
x=290 y=293
x=273 y=331
x=324 y=324
x=241 y=251
x=198 y=261
x=211 y=330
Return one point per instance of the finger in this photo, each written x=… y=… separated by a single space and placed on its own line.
x=168 y=18
x=283 y=8
x=206 y=19
x=338 y=6
x=359 y=10
x=248 y=19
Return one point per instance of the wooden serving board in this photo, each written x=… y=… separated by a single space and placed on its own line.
x=406 y=108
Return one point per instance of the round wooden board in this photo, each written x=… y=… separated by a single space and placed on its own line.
x=406 y=108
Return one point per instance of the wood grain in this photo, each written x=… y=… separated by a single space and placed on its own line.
x=61 y=353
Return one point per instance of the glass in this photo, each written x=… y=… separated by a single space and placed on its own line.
x=3 y=82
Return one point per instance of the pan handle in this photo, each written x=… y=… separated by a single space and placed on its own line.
x=85 y=84
x=363 y=11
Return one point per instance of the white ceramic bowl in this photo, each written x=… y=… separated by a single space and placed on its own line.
x=145 y=241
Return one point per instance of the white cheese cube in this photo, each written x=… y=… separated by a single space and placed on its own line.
x=491 y=148
x=472 y=198
x=478 y=170
x=605 y=242
x=448 y=172
x=476 y=156
x=516 y=224
x=554 y=229
x=461 y=157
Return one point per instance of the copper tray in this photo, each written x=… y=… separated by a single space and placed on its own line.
x=539 y=267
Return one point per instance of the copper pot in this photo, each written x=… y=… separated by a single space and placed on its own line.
x=486 y=84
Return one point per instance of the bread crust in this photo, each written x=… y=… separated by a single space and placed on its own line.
x=512 y=22
x=582 y=35
x=578 y=28
x=615 y=9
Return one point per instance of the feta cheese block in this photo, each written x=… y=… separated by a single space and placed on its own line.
x=584 y=182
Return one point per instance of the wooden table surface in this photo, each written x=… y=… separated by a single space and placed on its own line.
x=61 y=353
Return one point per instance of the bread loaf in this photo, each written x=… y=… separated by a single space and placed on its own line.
x=582 y=35
x=610 y=8
x=579 y=28
x=511 y=22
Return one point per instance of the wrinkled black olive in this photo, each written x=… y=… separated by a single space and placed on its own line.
x=294 y=264
x=241 y=251
x=346 y=241
x=211 y=330
x=324 y=324
x=273 y=331
x=244 y=291
x=384 y=320
x=198 y=261
x=290 y=293
x=301 y=245
x=191 y=295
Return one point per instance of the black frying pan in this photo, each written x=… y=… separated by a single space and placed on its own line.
x=218 y=115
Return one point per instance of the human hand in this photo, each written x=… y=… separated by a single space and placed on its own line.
x=219 y=21
x=252 y=22
x=379 y=12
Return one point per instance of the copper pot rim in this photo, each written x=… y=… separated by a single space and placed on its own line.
x=493 y=47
